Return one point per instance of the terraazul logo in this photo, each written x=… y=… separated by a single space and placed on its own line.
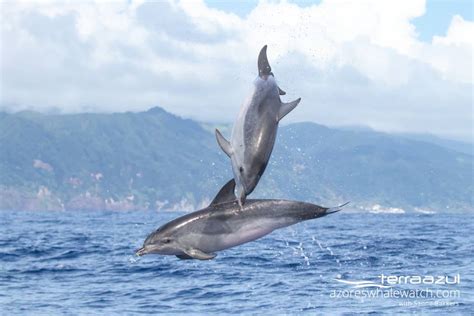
x=387 y=281
x=413 y=290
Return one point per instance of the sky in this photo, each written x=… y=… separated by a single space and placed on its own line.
x=394 y=66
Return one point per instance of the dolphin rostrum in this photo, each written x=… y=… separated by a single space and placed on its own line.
x=223 y=225
x=254 y=132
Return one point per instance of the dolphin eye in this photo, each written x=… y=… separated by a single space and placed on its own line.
x=166 y=240
x=241 y=169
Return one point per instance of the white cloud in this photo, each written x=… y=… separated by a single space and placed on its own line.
x=452 y=54
x=357 y=63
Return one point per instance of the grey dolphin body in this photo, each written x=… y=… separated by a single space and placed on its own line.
x=223 y=225
x=254 y=131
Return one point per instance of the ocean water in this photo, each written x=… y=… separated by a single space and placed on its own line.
x=83 y=263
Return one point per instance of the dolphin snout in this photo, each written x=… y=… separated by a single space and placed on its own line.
x=142 y=251
x=242 y=198
x=240 y=193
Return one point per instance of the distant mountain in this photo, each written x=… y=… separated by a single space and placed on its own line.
x=373 y=170
x=157 y=160
x=457 y=145
x=462 y=147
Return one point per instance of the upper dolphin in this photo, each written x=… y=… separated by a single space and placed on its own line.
x=223 y=225
x=254 y=132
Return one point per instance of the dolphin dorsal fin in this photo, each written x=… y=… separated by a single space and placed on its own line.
x=226 y=193
x=286 y=108
x=223 y=143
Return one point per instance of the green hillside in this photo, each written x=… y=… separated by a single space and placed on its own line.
x=156 y=160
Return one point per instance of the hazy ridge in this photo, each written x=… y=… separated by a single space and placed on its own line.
x=155 y=160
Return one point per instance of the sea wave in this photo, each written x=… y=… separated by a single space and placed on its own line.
x=84 y=263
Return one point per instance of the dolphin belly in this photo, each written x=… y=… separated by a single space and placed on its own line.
x=253 y=138
x=239 y=230
x=245 y=235
x=213 y=243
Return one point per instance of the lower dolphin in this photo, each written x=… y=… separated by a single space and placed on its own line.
x=224 y=224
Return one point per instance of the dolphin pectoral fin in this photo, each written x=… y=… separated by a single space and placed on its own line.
x=281 y=92
x=184 y=257
x=223 y=143
x=286 y=108
x=198 y=254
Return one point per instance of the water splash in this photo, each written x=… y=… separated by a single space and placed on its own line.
x=328 y=249
x=302 y=253
x=133 y=259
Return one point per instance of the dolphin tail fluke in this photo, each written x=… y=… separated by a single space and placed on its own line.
x=286 y=108
x=264 y=68
x=336 y=209
x=223 y=143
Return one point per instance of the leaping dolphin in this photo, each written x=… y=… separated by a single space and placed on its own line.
x=223 y=225
x=254 y=132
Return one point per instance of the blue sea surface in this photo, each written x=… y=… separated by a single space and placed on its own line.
x=83 y=263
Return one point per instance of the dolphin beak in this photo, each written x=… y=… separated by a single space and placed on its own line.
x=264 y=68
x=240 y=193
x=140 y=252
x=242 y=197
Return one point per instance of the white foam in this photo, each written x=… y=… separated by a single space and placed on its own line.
x=377 y=208
x=423 y=211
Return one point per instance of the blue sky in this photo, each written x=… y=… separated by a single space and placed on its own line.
x=394 y=66
x=439 y=14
